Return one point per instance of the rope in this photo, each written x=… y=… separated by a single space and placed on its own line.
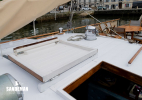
x=76 y=38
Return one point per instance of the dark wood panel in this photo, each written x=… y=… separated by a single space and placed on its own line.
x=79 y=81
x=106 y=66
x=123 y=73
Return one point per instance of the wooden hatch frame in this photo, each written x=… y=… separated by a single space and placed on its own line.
x=106 y=66
x=24 y=67
x=11 y=58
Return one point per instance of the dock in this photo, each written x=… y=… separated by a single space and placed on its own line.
x=119 y=12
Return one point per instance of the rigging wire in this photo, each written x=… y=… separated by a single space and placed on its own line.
x=69 y=23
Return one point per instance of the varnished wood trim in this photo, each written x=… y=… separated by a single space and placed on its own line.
x=34 y=43
x=123 y=73
x=61 y=33
x=106 y=66
x=118 y=37
x=25 y=68
x=103 y=34
x=133 y=58
x=53 y=33
x=79 y=27
x=11 y=40
x=79 y=81
x=43 y=35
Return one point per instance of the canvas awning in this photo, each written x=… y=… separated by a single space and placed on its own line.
x=14 y=14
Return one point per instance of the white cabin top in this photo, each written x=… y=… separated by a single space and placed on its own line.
x=111 y=50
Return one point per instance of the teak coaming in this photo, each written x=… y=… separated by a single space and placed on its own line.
x=106 y=66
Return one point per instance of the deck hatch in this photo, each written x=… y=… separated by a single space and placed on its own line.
x=50 y=58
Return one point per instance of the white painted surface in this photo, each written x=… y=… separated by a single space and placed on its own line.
x=43 y=86
x=49 y=59
x=34 y=47
x=115 y=51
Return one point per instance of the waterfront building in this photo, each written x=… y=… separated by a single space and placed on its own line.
x=90 y=3
x=119 y=4
x=85 y=3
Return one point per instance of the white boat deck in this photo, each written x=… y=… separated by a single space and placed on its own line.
x=50 y=58
x=114 y=51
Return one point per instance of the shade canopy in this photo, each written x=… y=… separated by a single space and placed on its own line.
x=14 y=14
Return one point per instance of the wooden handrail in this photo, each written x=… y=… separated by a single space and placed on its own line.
x=34 y=43
x=12 y=40
x=133 y=58
x=43 y=35
x=52 y=33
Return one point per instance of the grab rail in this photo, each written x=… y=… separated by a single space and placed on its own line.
x=133 y=58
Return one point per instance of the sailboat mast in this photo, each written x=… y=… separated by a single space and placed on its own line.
x=71 y=5
x=55 y=12
x=1 y=49
x=34 y=27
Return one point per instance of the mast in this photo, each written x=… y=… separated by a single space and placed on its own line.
x=34 y=27
x=1 y=49
x=55 y=12
x=71 y=5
